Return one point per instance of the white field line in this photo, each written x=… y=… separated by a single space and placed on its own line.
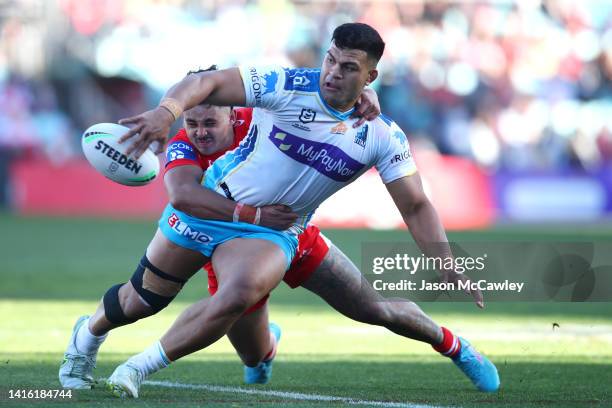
x=288 y=395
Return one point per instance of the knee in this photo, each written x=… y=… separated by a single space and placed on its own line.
x=237 y=298
x=150 y=291
x=154 y=286
x=132 y=304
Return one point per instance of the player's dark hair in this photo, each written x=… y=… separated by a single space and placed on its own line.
x=359 y=36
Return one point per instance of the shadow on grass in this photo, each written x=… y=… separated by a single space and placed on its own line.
x=398 y=378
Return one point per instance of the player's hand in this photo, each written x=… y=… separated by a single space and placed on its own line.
x=277 y=216
x=148 y=127
x=454 y=277
x=367 y=107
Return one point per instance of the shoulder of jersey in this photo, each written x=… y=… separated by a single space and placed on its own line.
x=181 y=135
x=301 y=79
x=243 y=123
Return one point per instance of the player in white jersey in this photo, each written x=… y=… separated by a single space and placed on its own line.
x=306 y=139
x=292 y=162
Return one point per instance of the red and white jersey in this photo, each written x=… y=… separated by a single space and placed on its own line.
x=181 y=152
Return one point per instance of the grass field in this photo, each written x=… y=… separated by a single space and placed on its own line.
x=53 y=270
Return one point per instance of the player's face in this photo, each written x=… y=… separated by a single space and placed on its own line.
x=343 y=75
x=209 y=128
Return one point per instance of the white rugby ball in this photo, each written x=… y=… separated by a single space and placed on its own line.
x=106 y=155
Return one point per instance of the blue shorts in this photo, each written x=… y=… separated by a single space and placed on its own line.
x=204 y=235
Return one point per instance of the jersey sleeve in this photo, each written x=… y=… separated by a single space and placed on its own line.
x=264 y=86
x=180 y=152
x=395 y=159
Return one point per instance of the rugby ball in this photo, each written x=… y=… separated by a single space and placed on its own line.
x=106 y=155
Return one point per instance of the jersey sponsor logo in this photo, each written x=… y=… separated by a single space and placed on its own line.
x=401 y=137
x=405 y=155
x=362 y=136
x=325 y=158
x=255 y=84
x=262 y=85
x=270 y=80
x=301 y=127
x=339 y=129
x=307 y=115
x=118 y=158
x=180 y=150
x=183 y=229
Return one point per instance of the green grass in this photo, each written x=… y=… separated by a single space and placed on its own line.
x=53 y=270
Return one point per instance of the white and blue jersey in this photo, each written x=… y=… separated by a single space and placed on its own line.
x=299 y=150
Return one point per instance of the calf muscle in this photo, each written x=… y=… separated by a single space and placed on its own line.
x=338 y=281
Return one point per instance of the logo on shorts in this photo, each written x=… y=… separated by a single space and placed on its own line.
x=185 y=230
x=173 y=219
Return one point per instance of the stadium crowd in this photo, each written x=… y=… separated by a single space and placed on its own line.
x=521 y=85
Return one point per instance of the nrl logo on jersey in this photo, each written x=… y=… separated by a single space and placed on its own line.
x=307 y=115
x=339 y=129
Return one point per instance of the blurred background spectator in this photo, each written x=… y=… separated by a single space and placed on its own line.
x=512 y=86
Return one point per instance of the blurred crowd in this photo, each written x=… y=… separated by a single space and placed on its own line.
x=511 y=85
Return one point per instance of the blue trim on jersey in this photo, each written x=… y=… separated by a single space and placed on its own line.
x=386 y=119
x=302 y=79
x=230 y=160
x=295 y=81
x=335 y=113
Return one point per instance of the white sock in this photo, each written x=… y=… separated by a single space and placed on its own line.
x=151 y=360
x=86 y=342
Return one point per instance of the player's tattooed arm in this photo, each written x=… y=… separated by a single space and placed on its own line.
x=424 y=223
x=187 y=195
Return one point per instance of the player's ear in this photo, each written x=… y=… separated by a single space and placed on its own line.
x=232 y=116
x=372 y=75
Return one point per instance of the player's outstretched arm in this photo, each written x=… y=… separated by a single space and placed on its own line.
x=223 y=87
x=425 y=225
x=187 y=195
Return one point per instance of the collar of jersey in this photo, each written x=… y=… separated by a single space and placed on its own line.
x=335 y=113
